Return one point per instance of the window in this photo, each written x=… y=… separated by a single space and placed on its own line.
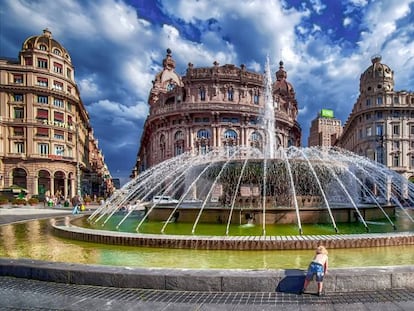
x=170 y=86
x=18 y=79
x=56 y=51
x=256 y=136
x=18 y=97
x=59 y=150
x=412 y=161
x=59 y=135
x=58 y=117
x=396 y=129
x=42 y=63
x=396 y=100
x=57 y=85
x=18 y=131
x=368 y=102
x=42 y=114
x=70 y=122
x=57 y=67
x=230 y=134
x=411 y=129
x=379 y=100
x=396 y=160
x=179 y=135
x=202 y=92
x=203 y=134
x=43 y=149
x=18 y=113
x=379 y=114
x=42 y=131
x=368 y=131
x=42 y=47
x=235 y=120
x=57 y=102
x=396 y=114
x=256 y=99
x=42 y=82
x=28 y=61
x=368 y=116
x=19 y=147
x=395 y=145
x=379 y=129
x=70 y=152
x=360 y=133
x=230 y=94
x=42 y=99
x=68 y=75
x=380 y=155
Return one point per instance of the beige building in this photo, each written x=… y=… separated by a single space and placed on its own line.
x=381 y=125
x=213 y=107
x=325 y=129
x=46 y=141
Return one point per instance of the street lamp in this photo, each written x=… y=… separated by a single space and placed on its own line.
x=78 y=179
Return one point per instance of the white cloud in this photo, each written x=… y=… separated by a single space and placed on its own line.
x=347 y=21
x=106 y=109
x=88 y=88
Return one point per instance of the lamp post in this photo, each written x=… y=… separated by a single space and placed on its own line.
x=78 y=177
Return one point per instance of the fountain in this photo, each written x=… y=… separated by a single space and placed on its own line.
x=218 y=192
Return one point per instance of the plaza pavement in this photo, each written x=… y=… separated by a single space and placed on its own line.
x=28 y=294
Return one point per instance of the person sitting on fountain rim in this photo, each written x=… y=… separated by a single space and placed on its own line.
x=318 y=267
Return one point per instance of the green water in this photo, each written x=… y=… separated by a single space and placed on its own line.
x=34 y=240
x=215 y=229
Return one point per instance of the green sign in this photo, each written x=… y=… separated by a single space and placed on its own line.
x=327 y=113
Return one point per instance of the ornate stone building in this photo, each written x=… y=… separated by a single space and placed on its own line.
x=212 y=107
x=46 y=141
x=381 y=125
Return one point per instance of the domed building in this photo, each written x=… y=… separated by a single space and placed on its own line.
x=47 y=145
x=212 y=107
x=381 y=125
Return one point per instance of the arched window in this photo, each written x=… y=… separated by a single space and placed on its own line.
x=230 y=134
x=203 y=134
x=256 y=140
x=19 y=177
x=170 y=86
x=255 y=136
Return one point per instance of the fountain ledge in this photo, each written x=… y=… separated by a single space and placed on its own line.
x=209 y=280
x=70 y=231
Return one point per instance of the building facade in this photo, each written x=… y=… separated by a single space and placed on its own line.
x=381 y=124
x=212 y=107
x=46 y=141
x=324 y=130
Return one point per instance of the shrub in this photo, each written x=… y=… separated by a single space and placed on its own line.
x=18 y=201
x=87 y=199
x=33 y=200
x=4 y=200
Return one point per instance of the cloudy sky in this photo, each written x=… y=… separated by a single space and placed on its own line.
x=117 y=47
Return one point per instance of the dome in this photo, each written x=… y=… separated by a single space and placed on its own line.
x=377 y=76
x=45 y=42
x=282 y=86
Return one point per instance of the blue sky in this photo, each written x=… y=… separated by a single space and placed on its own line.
x=117 y=47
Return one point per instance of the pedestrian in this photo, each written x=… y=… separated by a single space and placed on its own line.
x=318 y=267
x=75 y=203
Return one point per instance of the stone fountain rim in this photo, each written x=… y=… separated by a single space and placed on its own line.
x=288 y=242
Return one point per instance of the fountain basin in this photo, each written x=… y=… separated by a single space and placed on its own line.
x=70 y=231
